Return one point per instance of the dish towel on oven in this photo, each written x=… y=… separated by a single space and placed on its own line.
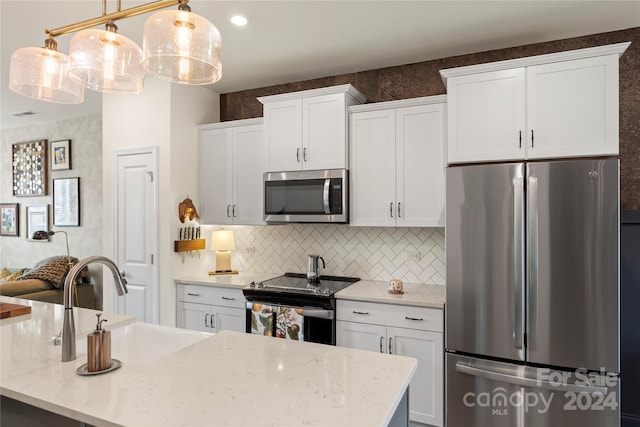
x=262 y=319
x=290 y=323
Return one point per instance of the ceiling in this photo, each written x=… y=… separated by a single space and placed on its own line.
x=287 y=41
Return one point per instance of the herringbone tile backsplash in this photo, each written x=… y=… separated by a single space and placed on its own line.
x=370 y=253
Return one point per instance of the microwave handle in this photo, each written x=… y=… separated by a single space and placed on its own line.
x=325 y=196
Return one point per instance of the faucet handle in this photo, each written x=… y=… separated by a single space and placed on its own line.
x=122 y=273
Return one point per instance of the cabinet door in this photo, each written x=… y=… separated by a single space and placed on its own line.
x=427 y=387
x=227 y=318
x=361 y=336
x=486 y=116
x=372 y=172
x=283 y=135
x=324 y=132
x=572 y=108
x=247 y=173
x=216 y=176
x=420 y=166
x=192 y=316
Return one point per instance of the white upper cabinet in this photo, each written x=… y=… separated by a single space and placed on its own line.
x=231 y=172
x=558 y=105
x=397 y=163
x=308 y=130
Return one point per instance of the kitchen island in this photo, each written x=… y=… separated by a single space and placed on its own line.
x=225 y=379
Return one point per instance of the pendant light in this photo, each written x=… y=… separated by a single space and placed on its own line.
x=179 y=46
x=106 y=61
x=41 y=73
x=182 y=47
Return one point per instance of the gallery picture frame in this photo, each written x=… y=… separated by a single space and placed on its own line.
x=66 y=202
x=37 y=219
x=10 y=219
x=29 y=163
x=60 y=154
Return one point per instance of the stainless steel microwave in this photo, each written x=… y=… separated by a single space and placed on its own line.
x=306 y=196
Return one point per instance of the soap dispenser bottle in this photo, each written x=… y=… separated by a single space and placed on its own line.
x=99 y=348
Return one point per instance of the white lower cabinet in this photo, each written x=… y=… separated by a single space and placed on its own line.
x=210 y=309
x=408 y=331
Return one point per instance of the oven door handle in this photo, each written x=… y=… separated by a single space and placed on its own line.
x=306 y=312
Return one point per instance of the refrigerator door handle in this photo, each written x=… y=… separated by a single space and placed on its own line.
x=518 y=242
x=533 y=262
x=527 y=382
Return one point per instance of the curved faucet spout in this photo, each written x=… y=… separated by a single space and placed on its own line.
x=68 y=325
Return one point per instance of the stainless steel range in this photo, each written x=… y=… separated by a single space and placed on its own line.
x=295 y=307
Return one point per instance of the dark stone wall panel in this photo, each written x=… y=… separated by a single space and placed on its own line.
x=423 y=79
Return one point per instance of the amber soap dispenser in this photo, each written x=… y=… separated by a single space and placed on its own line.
x=99 y=348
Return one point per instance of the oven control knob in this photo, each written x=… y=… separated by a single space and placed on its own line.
x=260 y=285
x=252 y=284
x=326 y=291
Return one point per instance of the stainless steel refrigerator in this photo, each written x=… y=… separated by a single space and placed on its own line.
x=532 y=318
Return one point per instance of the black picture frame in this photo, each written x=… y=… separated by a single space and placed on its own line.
x=60 y=154
x=66 y=202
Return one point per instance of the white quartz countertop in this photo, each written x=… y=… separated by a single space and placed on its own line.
x=227 y=379
x=421 y=295
x=226 y=280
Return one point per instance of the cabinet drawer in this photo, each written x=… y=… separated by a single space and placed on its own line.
x=227 y=297
x=426 y=319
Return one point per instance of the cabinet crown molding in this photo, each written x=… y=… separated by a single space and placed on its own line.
x=401 y=103
x=568 y=55
x=231 y=124
x=348 y=89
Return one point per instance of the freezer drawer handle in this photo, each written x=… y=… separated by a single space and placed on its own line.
x=414 y=318
x=526 y=382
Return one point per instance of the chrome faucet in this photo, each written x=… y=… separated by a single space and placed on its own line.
x=68 y=325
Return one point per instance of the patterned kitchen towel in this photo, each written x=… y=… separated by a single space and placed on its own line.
x=290 y=323
x=262 y=319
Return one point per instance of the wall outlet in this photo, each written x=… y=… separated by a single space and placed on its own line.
x=250 y=250
x=413 y=256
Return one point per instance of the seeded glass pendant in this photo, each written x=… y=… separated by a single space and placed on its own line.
x=182 y=47
x=41 y=73
x=106 y=61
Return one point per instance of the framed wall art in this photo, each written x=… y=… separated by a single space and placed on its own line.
x=30 y=168
x=60 y=153
x=66 y=202
x=37 y=219
x=9 y=219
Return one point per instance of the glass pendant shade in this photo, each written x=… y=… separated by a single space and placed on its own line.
x=182 y=47
x=106 y=61
x=41 y=73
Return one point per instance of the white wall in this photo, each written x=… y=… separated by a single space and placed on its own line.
x=164 y=115
x=85 y=134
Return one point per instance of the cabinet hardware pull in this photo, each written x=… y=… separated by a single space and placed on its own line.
x=399 y=214
x=206 y=324
x=228 y=299
x=391 y=209
x=519 y=139
x=531 y=138
x=233 y=211
x=298 y=155
x=381 y=340
x=304 y=154
x=414 y=318
x=213 y=325
x=228 y=207
x=366 y=313
x=390 y=352
x=192 y=294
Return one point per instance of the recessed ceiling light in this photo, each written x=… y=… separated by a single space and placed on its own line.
x=239 y=20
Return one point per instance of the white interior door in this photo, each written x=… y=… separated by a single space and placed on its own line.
x=135 y=225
